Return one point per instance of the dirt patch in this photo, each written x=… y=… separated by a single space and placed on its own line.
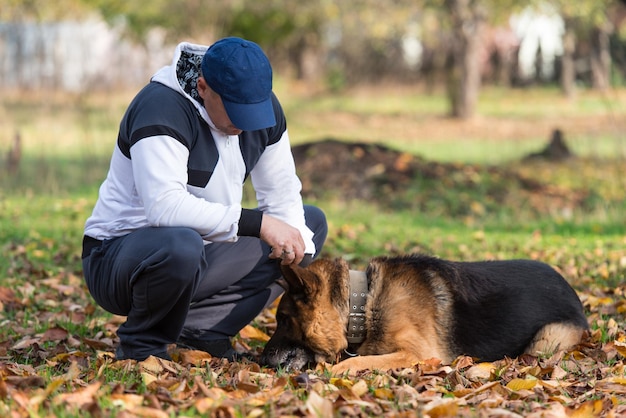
x=376 y=173
x=353 y=170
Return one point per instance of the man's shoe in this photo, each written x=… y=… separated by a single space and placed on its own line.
x=120 y=355
x=216 y=348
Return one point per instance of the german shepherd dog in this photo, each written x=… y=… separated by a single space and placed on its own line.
x=417 y=307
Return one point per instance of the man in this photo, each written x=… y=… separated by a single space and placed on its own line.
x=168 y=244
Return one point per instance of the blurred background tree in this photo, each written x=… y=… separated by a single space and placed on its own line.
x=453 y=44
x=589 y=25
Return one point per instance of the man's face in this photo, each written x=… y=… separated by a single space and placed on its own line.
x=215 y=108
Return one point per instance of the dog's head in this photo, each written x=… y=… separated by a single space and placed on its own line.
x=312 y=316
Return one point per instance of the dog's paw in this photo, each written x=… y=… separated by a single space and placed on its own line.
x=349 y=366
x=382 y=362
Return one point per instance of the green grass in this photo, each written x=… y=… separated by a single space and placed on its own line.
x=68 y=141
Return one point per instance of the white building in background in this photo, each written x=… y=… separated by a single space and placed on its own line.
x=75 y=56
x=531 y=29
x=412 y=47
x=538 y=29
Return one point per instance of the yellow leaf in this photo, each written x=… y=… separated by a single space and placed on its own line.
x=341 y=382
x=255 y=402
x=480 y=371
x=383 y=393
x=360 y=388
x=203 y=405
x=251 y=333
x=521 y=384
x=588 y=409
x=595 y=301
x=151 y=365
x=620 y=346
x=618 y=379
x=54 y=385
x=442 y=408
x=256 y=412
x=126 y=400
x=148 y=378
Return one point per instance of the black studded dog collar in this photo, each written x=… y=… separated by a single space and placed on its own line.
x=358 y=295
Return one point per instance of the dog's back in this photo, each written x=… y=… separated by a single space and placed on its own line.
x=511 y=302
x=499 y=307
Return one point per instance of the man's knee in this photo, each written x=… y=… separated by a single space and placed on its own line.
x=315 y=219
x=183 y=249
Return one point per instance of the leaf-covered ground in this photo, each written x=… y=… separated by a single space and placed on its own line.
x=56 y=346
x=59 y=360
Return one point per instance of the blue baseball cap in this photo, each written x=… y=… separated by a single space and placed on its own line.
x=239 y=71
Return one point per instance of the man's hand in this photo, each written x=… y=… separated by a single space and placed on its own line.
x=285 y=240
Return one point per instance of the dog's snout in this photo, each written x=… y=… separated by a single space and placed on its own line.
x=288 y=357
x=270 y=357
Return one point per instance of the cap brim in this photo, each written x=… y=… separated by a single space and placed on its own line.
x=251 y=116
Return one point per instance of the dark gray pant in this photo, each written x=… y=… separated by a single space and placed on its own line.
x=169 y=284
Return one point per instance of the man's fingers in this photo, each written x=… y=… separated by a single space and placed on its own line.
x=291 y=257
x=287 y=256
x=276 y=252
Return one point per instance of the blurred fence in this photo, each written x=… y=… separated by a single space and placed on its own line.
x=75 y=56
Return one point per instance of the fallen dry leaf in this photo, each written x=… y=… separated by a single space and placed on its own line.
x=522 y=384
x=318 y=406
x=251 y=333
x=79 y=398
x=480 y=371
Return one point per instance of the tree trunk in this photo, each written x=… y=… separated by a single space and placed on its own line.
x=468 y=19
x=600 y=58
x=568 y=67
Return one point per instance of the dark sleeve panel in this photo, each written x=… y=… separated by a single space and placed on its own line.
x=250 y=223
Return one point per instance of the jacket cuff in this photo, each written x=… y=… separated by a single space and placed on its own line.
x=250 y=223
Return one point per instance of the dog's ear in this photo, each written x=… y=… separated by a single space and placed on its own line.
x=283 y=283
x=299 y=281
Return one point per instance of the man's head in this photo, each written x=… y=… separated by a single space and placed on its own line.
x=239 y=72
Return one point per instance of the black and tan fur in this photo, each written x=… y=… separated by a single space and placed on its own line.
x=421 y=307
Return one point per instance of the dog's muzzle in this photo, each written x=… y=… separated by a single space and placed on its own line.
x=288 y=358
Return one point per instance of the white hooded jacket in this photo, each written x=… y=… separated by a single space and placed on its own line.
x=172 y=167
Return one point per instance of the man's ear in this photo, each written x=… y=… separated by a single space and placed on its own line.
x=202 y=87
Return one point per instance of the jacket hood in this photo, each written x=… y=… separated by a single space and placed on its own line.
x=182 y=74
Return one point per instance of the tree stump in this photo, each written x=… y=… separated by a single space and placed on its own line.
x=556 y=150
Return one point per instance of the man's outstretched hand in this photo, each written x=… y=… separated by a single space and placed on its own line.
x=285 y=240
